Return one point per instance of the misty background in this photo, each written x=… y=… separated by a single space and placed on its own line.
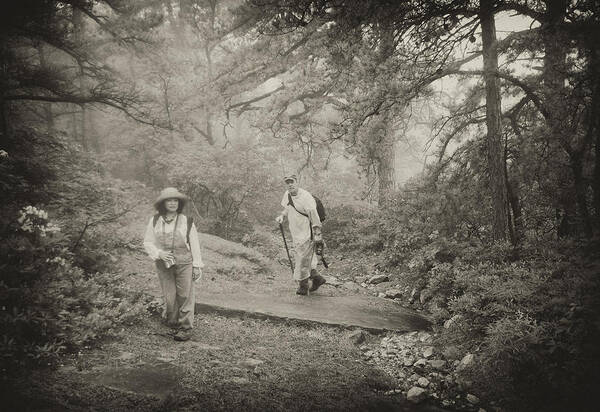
x=454 y=144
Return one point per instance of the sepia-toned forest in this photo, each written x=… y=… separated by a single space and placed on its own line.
x=454 y=144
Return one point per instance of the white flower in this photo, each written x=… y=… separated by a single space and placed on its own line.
x=32 y=219
x=3 y=154
x=52 y=228
x=60 y=261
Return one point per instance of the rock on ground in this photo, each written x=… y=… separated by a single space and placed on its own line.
x=450 y=322
x=357 y=337
x=393 y=293
x=332 y=281
x=466 y=362
x=416 y=394
x=437 y=363
x=472 y=399
x=374 y=280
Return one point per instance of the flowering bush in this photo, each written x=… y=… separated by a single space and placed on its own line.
x=34 y=220
x=55 y=293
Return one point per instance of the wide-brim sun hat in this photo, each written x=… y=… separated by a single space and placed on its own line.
x=170 y=193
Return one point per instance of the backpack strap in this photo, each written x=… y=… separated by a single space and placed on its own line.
x=190 y=222
x=291 y=202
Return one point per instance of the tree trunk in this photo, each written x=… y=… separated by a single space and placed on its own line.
x=594 y=73
x=3 y=124
x=47 y=107
x=3 y=105
x=517 y=212
x=209 y=72
x=495 y=157
x=515 y=222
x=596 y=184
x=385 y=166
x=167 y=104
x=78 y=28
x=131 y=67
x=386 y=150
x=83 y=136
x=176 y=22
x=209 y=130
x=556 y=98
x=93 y=134
x=580 y=193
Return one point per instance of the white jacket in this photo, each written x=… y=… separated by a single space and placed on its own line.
x=152 y=246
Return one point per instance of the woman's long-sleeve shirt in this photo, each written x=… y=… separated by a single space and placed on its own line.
x=153 y=247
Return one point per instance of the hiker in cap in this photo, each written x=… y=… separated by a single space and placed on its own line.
x=300 y=208
x=171 y=241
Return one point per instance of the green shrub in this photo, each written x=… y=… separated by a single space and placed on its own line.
x=49 y=305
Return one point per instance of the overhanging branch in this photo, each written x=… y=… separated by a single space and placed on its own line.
x=528 y=90
x=81 y=100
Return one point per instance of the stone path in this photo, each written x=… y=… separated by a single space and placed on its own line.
x=367 y=312
x=240 y=281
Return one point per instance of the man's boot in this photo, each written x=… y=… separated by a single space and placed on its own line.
x=183 y=335
x=302 y=287
x=317 y=280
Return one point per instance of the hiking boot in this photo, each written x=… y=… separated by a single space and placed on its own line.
x=317 y=282
x=302 y=287
x=183 y=335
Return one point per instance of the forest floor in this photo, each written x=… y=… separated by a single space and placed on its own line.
x=231 y=363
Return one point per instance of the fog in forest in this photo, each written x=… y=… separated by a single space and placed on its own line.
x=454 y=147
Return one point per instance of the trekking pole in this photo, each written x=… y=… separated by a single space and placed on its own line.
x=319 y=252
x=286 y=248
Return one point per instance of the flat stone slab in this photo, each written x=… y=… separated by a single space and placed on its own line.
x=367 y=312
x=158 y=380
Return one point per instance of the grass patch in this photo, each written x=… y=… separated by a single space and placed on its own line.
x=231 y=363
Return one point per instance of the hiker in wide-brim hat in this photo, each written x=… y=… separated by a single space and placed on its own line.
x=171 y=241
x=300 y=209
x=170 y=193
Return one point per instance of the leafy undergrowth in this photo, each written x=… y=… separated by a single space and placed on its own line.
x=230 y=364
